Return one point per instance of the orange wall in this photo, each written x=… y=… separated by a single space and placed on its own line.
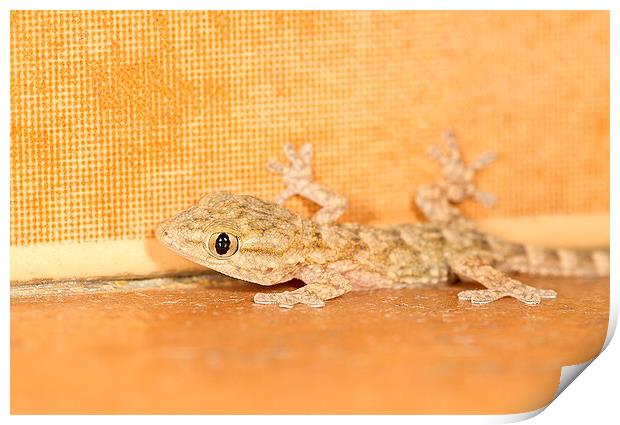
x=120 y=119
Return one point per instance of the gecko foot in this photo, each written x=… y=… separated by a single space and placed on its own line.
x=289 y=298
x=298 y=174
x=531 y=296
x=458 y=176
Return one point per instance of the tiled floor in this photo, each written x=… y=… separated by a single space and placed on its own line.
x=200 y=345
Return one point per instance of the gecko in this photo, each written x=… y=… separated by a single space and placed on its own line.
x=265 y=243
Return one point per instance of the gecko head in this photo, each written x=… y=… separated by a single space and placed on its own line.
x=238 y=235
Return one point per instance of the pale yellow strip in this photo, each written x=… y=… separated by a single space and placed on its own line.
x=553 y=231
x=139 y=258
x=124 y=258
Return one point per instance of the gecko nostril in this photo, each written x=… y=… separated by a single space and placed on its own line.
x=161 y=232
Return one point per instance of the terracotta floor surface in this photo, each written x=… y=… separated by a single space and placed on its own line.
x=201 y=346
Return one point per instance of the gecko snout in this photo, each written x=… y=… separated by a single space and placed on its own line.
x=162 y=232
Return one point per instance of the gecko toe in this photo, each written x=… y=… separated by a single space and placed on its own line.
x=532 y=299
x=261 y=298
x=481 y=296
x=547 y=293
x=464 y=295
x=486 y=296
x=279 y=299
x=289 y=299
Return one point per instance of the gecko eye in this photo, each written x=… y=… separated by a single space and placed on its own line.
x=222 y=244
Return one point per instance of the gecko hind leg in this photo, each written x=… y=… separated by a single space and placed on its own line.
x=299 y=181
x=457 y=175
x=437 y=200
x=498 y=284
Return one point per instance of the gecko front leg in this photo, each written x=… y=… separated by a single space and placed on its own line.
x=321 y=285
x=299 y=181
x=474 y=266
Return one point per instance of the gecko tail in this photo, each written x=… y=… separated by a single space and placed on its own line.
x=534 y=260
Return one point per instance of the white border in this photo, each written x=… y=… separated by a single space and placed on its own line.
x=591 y=399
x=614 y=154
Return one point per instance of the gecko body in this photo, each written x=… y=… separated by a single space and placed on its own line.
x=265 y=243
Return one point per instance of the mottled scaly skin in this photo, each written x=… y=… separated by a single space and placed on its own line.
x=267 y=244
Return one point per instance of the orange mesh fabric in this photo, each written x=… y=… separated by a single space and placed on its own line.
x=122 y=118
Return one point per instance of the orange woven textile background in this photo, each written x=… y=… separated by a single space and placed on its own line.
x=122 y=118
